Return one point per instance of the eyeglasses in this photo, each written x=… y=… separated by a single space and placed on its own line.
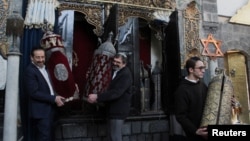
x=201 y=68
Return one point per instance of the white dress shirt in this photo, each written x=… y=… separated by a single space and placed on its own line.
x=46 y=76
x=114 y=74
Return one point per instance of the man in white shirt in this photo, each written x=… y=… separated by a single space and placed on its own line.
x=42 y=100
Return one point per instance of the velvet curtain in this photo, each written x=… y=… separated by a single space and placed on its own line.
x=145 y=51
x=84 y=44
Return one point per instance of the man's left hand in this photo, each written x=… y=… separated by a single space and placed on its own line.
x=92 y=98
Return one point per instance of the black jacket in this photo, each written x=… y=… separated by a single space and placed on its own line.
x=117 y=97
x=41 y=102
x=190 y=99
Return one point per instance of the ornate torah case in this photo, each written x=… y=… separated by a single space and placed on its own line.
x=218 y=107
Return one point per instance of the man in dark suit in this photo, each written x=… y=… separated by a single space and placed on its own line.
x=117 y=97
x=42 y=99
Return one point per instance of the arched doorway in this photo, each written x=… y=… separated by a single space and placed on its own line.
x=80 y=43
x=236 y=66
x=143 y=40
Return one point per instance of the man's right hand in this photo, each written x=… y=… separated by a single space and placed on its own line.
x=202 y=131
x=59 y=101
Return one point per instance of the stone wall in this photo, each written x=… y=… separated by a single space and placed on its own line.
x=138 y=128
x=234 y=37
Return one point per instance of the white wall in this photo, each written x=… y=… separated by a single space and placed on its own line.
x=229 y=8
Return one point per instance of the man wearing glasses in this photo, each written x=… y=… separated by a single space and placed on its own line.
x=190 y=98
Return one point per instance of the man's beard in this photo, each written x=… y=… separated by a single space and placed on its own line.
x=116 y=68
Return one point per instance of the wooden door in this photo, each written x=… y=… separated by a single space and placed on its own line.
x=171 y=74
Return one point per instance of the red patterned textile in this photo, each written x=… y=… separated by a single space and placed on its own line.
x=99 y=74
x=51 y=40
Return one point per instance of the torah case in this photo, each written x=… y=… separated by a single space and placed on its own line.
x=58 y=66
x=217 y=110
x=99 y=73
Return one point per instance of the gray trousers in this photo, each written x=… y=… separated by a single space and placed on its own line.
x=115 y=129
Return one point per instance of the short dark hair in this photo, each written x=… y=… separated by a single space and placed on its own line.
x=190 y=63
x=123 y=56
x=35 y=49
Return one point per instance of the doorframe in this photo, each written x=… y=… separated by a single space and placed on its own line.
x=230 y=73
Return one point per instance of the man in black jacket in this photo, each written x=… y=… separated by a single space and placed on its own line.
x=117 y=97
x=42 y=99
x=190 y=99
